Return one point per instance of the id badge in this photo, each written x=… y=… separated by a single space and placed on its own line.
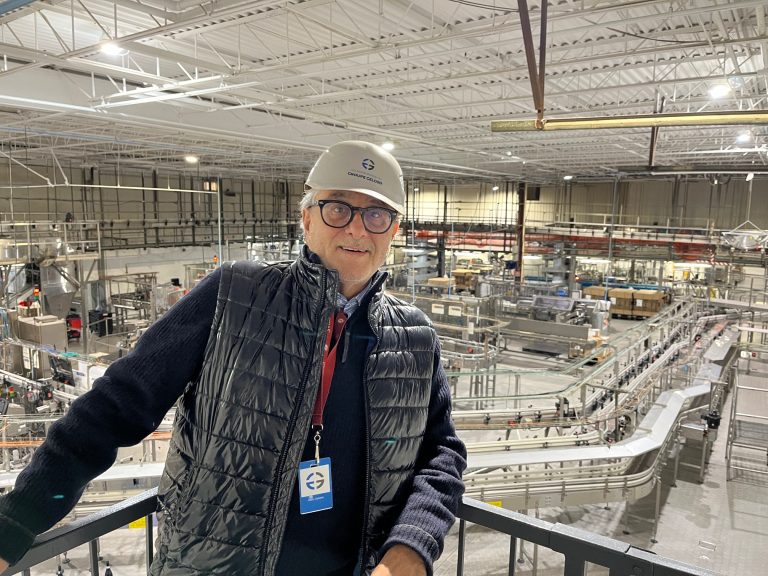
x=315 y=488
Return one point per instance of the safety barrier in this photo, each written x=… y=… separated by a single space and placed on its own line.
x=579 y=547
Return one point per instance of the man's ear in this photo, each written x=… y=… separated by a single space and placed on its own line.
x=395 y=228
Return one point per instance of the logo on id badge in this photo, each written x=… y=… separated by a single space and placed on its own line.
x=315 y=486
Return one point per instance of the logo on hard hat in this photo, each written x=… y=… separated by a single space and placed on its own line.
x=368 y=164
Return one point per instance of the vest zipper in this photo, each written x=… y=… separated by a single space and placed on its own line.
x=346 y=346
x=284 y=453
x=367 y=430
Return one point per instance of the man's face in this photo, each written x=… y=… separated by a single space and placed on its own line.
x=353 y=251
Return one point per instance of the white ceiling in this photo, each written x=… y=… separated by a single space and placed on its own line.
x=258 y=87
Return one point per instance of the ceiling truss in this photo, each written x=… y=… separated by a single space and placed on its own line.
x=259 y=87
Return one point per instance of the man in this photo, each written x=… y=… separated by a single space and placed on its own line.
x=313 y=433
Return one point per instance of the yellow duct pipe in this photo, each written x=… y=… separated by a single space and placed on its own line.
x=641 y=121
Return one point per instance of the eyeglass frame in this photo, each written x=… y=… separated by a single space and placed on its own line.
x=320 y=203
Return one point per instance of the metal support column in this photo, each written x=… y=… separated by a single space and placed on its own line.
x=520 y=233
x=614 y=202
x=219 y=209
x=657 y=508
x=85 y=336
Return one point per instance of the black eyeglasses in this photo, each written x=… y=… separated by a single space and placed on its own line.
x=338 y=214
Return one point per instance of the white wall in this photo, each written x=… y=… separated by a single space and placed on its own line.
x=697 y=203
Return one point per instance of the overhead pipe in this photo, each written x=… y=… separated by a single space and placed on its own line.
x=729 y=118
x=106 y=186
x=707 y=172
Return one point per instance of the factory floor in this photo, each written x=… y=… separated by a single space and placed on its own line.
x=718 y=524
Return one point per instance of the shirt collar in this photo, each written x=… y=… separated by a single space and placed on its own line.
x=350 y=305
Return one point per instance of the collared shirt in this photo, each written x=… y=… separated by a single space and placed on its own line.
x=350 y=305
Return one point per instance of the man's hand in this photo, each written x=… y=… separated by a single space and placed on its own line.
x=3 y=565
x=400 y=560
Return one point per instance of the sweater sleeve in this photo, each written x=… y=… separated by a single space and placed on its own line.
x=124 y=405
x=430 y=510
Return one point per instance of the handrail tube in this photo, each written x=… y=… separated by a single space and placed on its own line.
x=86 y=529
x=577 y=545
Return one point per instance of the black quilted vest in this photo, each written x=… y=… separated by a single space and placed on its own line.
x=241 y=426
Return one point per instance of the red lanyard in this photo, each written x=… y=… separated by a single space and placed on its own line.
x=332 y=339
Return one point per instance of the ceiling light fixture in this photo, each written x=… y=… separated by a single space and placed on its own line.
x=509 y=152
x=113 y=49
x=388 y=146
x=190 y=159
x=750 y=176
x=416 y=189
x=568 y=177
x=495 y=188
x=744 y=137
x=719 y=91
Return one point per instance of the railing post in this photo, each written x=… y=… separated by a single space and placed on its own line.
x=574 y=566
x=93 y=549
x=512 y=555
x=149 y=542
x=460 y=559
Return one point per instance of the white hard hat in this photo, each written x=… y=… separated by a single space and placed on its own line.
x=362 y=167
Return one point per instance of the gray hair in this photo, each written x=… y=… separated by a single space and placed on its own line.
x=307 y=200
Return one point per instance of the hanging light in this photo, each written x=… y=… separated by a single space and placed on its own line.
x=388 y=146
x=191 y=159
x=113 y=49
x=719 y=91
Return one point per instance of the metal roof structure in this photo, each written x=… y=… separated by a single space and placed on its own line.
x=259 y=87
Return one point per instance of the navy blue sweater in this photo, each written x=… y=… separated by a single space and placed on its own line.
x=130 y=400
x=332 y=538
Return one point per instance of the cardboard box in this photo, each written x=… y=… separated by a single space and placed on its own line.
x=650 y=300
x=594 y=292
x=622 y=301
x=463 y=278
x=441 y=282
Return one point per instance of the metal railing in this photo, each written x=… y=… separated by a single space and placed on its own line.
x=579 y=547
x=87 y=530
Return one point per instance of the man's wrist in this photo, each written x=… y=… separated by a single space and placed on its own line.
x=401 y=560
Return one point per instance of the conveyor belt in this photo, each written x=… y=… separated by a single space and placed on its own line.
x=738 y=305
x=650 y=436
